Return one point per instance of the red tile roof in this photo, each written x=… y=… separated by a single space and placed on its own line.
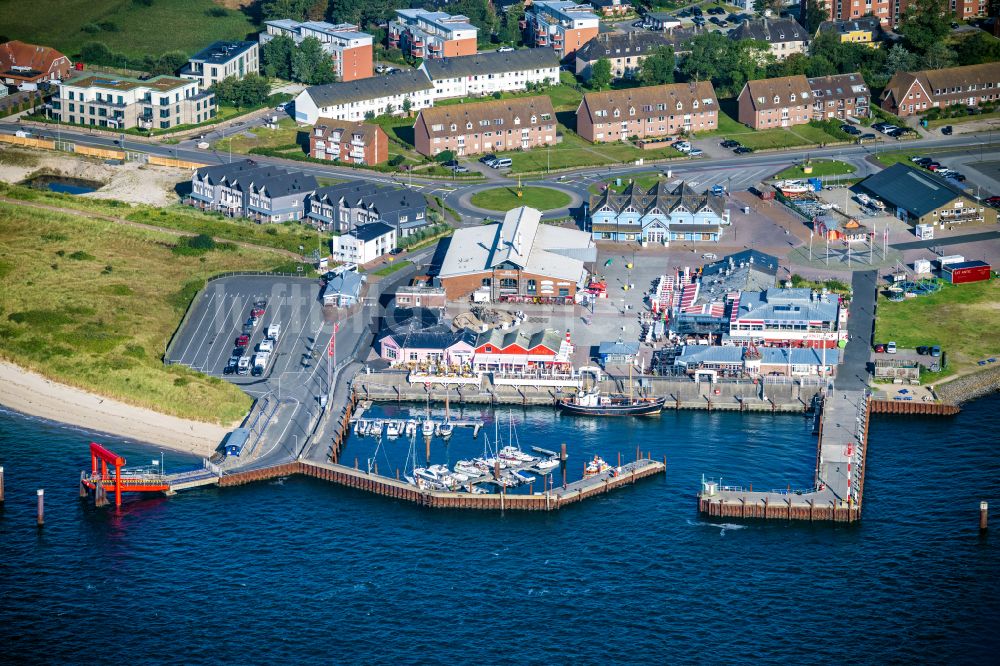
x=42 y=62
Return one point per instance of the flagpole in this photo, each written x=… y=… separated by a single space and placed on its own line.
x=810 y=245
x=827 y=236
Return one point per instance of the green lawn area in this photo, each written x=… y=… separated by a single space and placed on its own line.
x=564 y=97
x=182 y=218
x=573 y=151
x=773 y=138
x=728 y=126
x=644 y=180
x=164 y=25
x=963 y=319
x=941 y=122
x=819 y=168
x=92 y=304
x=391 y=268
x=888 y=159
x=287 y=134
x=503 y=199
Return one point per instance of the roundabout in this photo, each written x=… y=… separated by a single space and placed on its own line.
x=503 y=198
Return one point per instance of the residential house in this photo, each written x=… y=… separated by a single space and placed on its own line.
x=865 y=30
x=222 y=60
x=658 y=215
x=560 y=24
x=518 y=259
x=420 y=294
x=345 y=206
x=415 y=342
x=626 y=50
x=612 y=8
x=349 y=141
x=780 y=102
x=364 y=98
x=831 y=227
x=364 y=244
x=708 y=363
x=247 y=189
x=350 y=49
x=910 y=93
x=344 y=289
x=491 y=72
x=26 y=65
x=785 y=318
x=921 y=197
x=426 y=35
x=784 y=36
x=649 y=112
x=121 y=102
x=839 y=97
x=521 y=123
x=970 y=9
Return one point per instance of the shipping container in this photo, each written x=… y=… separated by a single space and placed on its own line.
x=966 y=271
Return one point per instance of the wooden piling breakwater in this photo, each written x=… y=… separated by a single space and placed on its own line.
x=389 y=487
x=790 y=507
x=907 y=407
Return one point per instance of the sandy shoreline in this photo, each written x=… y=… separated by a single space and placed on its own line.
x=30 y=393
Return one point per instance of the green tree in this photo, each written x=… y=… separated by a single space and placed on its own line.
x=658 y=67
x=977 y=48
x=510 y=27
x=925 y=23
x=600 y=74
x=899 y=60
x=938 y=56
x=96 y=53
x=285 y=9
x=444 y=156
x=814 y=14
x=311 y=64
x=169 y=63
x=727 y=63
x=481 y=14
x=407 y=105
x=276 y=57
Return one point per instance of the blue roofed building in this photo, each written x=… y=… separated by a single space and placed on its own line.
x=344 y=289
x=786 y=318
x=611 y=353
x=660 y=214
x=736 y=361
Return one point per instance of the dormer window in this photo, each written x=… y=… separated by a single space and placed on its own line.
x=454 y=127
x=777 y=100
x=468 y=125
x=534 y=120
x=617 y=113
x=694 y=104
x=679 y=106
x=791 y=97
x=631 y=111
x=760 y=100
x=517 y=120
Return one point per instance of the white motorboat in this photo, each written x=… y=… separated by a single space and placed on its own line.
x=468 y=468
x=514 y=453
x=475 y=490
x=793 y=187
x=522 y=477
x=427 y=428
x=547 y=465
x=393 y=429
x=446 y=429
x=411 y=427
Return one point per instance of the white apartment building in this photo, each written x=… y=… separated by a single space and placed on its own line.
x=222 y=60
x=119 y=102
x=365 y=244
x=354 y=100
x=487 y=73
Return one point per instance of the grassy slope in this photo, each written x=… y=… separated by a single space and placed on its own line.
x=505 y=198
x=70 y=318
x=963 y=319
x=166 y=25
x=820 y=168
x=181 y=218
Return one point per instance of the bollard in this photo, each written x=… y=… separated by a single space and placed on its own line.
x=562 y=452
x=664 y=465
x=637 y=453
x=984 y=515
x=428 y=440
x=397 y=474
x=619 y=458
x=41 y=507
x=355 y=462
x=376 y=469
x=83 y=486
x=1 y=485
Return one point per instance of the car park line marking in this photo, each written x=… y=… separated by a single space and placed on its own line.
x=223 y=328
x=237 y=329
x=211 y=297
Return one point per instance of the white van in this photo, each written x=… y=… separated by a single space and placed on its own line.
x=502 y=163
x=266 y=345
x=243 y=367
x=273 y=331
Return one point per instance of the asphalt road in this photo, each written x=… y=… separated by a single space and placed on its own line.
x=953 y=240
x=852 y=375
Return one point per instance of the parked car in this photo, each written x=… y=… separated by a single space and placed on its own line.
x=232 y=366
x=396 y=250
x=248 y=329
x=682 y=146
x=273 y=331
x=243 y=341
x=960 y=177
x=881 y=127
x=742 y=150
x=718 y=190
x=879 y=348
x=923 y=349
x=936 y=166
x=487 y=158
x=850 y=129
x=239 y=351
x=460 y=169
x=243 y=366
x=993 y=201
x=451 y=163
x=716 y=10
x=946 y=130
x=935 y=351
x=867 y=136
x=730 y=143
x=505 y=49
x=501 y=163
x=637 y=24
x=696 y=152
x=922 y=161
x=890 y=347
x=709 y=256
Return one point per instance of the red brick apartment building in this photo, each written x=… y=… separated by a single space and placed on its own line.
x=653 y=111
x=910 y=93
x=348 y=141
x=499 y=125
x=780 y=102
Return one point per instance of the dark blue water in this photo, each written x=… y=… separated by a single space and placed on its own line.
x=303 y=570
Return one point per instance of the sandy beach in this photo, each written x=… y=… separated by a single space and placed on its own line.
x=30 y=393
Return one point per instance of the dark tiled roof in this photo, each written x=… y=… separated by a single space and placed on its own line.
x=222 y=52
x=345 y=92
x=777 y=93
x=869 y=23
x=491 y=63
x=659 y=196
x=641 y=43
x=772 y=31
x=838 y=86
x=915 y=191
x=371 y=231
